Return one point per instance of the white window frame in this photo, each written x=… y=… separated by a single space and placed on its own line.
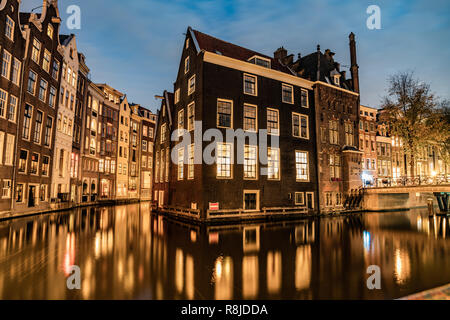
x=12 y=26
x=303 y=203
x=301 y=98
x=46 y=66
x=17 y=66
x=256 y=163
x=186 y=64
x=36 y=59
x=217 y=113
x=191 y=106
x=246 y=191
x=181 y=125
x=256 y=117
x=231 y=161
x=300 y=116
x=278 y=121
x=191 y=91
x=191 y=160
x=8 y=196
x=180 y=164
x=283 y=85
x=4 y=102
x=279 y=164
x=256 y=84
x=177 y=95
x=307 y=164
x=9 y=62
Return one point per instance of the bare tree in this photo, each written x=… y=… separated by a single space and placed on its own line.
x=411 y=113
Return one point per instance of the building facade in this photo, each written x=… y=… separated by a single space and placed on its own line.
x=38 y=109
x=252 y=94
x=12 y=50
x=147 y=132
x=123 y=149
x=368 y=144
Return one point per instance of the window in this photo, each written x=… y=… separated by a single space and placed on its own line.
x=263 y=62
x=181 y=164
x=52 y=97
x=167 y=165
x=144 y=145
x=186 y=65
x=187 y=43
x=43 y=192
x=349 y=138
x=301 y=165
x=163 y=133
x=299 y=199
x=223 y=160
x=224 y=113
x=191 y=85
x=50 y=31
x=19 y=193
x=6 y=189
x=181 y=122
x=36 y=51
x=191 y=116
x=251 y=200
x=23 y=157
x=55 y=70
x=32 y=78
x=48 y=131
x=46 y=61
x=334 y=133
x=250 y=118
x=191 y=161
x=38 y=127
x=113 y=166
x=6 y=66
x=43 y=90
x=335 y=166
x=3 y=103
x=15 y=78
x=9 y=29
x=287 y=93
x=9 y=149
x=2 y=145
x=150 y=132
x=64 y=70
x=34 y=163
x=177 y=95
x=250 y=162
x=28 y=113
x=304 y=98
x=69 y=75
x=250 y=85
x=272 y=122
x=273 y=163
x=300 y=126
x=336 y=80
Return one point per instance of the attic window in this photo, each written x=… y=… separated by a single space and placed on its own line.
x=336 y=80
x=260 y=61
x=187 y=43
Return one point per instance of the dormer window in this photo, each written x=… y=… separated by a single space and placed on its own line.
x=260 y=61
x=336 y=80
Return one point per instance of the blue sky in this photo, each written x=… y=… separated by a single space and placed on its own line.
x=135 y=45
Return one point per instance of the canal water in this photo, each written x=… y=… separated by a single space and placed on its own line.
x=126 y=252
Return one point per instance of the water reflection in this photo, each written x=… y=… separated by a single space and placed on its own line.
x=126 y=252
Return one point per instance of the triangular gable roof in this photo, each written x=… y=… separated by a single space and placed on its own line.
x=211 y=44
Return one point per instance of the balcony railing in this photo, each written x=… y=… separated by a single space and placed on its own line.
x=409 y=181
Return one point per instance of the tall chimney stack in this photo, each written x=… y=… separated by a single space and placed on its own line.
x=354 y=65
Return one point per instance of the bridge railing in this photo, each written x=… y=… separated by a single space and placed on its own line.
x=406 y=181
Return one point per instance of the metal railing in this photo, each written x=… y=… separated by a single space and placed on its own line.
x=406 y=181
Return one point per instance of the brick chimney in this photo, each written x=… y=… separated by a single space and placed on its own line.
x=280 y=54
x=354 y=68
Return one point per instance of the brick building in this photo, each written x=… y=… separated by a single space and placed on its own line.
x=147 y=130
x=368 y=144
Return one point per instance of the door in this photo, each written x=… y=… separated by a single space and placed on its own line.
x=161 y=199
x=310 y=200
x=31 y=196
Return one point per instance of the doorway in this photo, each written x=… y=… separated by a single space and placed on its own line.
x=31 y=196
x=310 y=200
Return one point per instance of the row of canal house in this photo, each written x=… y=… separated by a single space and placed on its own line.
x=307 y=107
x=61 y=135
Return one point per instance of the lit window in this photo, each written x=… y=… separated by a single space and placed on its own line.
x=301 y=166
x=191 y=162
x=250 y=118
x=23 y=158
x=250 y=85
x=287 y=93
x=260 y=61
x=335 y=166
x=50 y=31
x=272 y=122
x=334 y=133
x=181 y=122
x=163 y=133
x=273 y=159
x=191 y=116
x=177 y=95
x=46 y=61
x=224 y=113
x=3 y=102
x=28 y=113
x=250 y=162
x=223 y=160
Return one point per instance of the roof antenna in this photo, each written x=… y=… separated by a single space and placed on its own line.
x=36 y=8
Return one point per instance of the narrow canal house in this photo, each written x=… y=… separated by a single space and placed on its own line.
x=12 y=49
x=38 y=108
x=227 y=87
x=368 y=144
x=108 y=136
x=62 y=156
x=148 y=123
x=77 y=141
x=134 y=163
x=123 y=149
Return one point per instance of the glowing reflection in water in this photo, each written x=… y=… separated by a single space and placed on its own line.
x=179 y=276
x=303 y=267
x=273 y=272
x=189 y=277
x=223 y=278
x=250 y=277
x=402 y=268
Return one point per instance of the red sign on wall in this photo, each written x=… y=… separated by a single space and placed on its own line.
x=213 y=206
